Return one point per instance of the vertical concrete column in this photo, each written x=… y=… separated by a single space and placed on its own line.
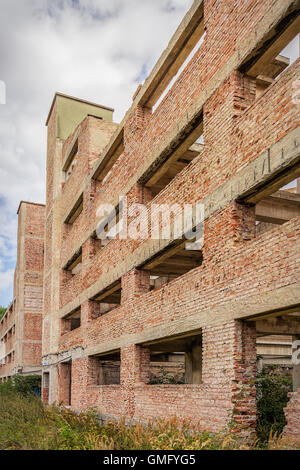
x=193 y=363
x=296 y=367
x=135 y=283
x=135 y=365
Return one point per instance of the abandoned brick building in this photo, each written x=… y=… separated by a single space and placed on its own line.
x=216 y=122
x=21 y=326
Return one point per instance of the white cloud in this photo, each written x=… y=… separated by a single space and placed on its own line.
x=6 y=278
x=97 y=50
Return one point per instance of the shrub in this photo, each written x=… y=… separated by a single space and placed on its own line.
x=272 y=397
x=24 y=385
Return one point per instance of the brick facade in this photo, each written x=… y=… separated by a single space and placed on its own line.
x=21 y=327
x=114 y=310
x=127 y=316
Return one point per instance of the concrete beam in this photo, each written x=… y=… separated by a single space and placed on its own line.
x=278 y=208
x=279 y=36
x=278 y=326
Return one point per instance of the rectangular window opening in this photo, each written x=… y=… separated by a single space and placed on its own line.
x=180 y=70
x=71 y=322
x=276 y=56
x=163 y=173
x=74 y=265
x=176 y=360
x=105 y=369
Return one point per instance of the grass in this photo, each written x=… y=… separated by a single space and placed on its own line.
x=25 y=423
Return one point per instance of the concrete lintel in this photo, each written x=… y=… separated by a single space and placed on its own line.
x=278 y=326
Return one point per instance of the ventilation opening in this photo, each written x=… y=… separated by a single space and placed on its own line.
x=176 y=360
x=105 y=370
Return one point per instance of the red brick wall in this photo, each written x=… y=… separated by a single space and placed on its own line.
x=236 y=264
x=292 y=415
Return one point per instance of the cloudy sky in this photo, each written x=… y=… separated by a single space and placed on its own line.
x=98 y=50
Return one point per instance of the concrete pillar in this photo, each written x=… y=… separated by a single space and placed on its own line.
x=296 y=367
x=193 y=363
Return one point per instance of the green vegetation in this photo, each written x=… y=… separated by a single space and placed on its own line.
x=272 y=397
x=25 y=423
x=23 y=385
x=2 y=311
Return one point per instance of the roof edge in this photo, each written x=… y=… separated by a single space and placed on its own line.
x=63 y=95
x=31 y=203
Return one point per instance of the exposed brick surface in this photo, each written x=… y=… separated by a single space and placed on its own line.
x=242 y=128
x=21 y=328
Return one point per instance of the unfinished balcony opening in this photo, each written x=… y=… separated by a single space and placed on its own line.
x=278 y=363
x=109 y=157
x=173 y=163
x=109 y=299
x=71 y=322
x=108 y=227
x=275 y=55
x=75 y=211
x=170 y=263
x=278 y=208
x=73 y=266
x=176 y=360
x=105 y=369
x=179 y=53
